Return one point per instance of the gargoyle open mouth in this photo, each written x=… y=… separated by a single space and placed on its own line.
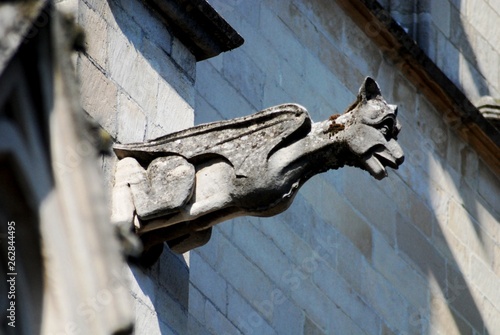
x=378 y=158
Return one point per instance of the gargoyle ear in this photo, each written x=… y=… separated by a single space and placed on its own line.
x=369 y=90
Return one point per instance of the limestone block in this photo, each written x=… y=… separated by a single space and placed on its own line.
x=239 y=68
x=447 y=58
x=131 y=120
x=440 y=12
x=98 y=95
x=470 y=233
x=261 y=249
x=104 y=10
x=122 y=22
x=130 y=70
x=289 y=49
x=419 y=251
x=311 y=328
x=472 y=80
x=221 y=94
x=411 y=285
x=184 y=58
x=444 y=319
x=320 y=309
x=169 y=72
x=334 y=209
x=208 y=281
x=329 y=19
x=488 y=186
x=96 y=37
x=174 y=273
x=142 y=287
x=146 y=320
x=171 y=106
x=288 y=318
x=491 y=315
x=196 y=304
x=217 y=323
x=244 y=275
x=348 y=300
x=248 y=319
x=385 y=299
x=172 y=313
x=487 y=58
x=154 y=30
x=485 y=280
x=324 y=84
x=464 y=295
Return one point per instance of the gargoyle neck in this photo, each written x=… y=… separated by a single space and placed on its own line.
x=317 y=152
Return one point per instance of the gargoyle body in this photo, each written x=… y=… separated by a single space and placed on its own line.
x=175 y=188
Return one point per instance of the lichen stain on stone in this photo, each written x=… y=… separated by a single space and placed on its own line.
x=334 y=127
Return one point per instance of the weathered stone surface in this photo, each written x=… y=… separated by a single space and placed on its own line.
x=96 y=41
x=130 y=118
x=249 y=166
x=97 y=89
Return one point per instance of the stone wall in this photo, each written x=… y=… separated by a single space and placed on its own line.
x=459 y=36
x=137 y=82
x=466 y=45
x=415 y=253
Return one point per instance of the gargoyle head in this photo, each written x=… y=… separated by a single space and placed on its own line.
x=370 y=131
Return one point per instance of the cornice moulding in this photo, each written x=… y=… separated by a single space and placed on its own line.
x=457 y=109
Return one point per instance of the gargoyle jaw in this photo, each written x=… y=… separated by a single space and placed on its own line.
x=376 y=161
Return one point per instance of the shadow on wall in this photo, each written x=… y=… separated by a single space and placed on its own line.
x=443 y=40
x=161 y=295
x=458 y=233
x=161 y=291
x=444 y=174
x=149 y=37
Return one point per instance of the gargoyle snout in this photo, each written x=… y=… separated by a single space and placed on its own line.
x=394 y=108
x=396 y=151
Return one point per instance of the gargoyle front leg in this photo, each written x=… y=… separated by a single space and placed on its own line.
x=127 y=171
x=214 y=181
x=123 y=209
x=165 y=187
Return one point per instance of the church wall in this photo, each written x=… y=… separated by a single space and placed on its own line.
x=415 y=253
x=137 y=82
x=465 y=44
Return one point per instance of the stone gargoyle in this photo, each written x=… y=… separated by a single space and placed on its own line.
x=175 y=188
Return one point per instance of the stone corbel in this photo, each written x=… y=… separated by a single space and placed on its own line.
x=175 y=188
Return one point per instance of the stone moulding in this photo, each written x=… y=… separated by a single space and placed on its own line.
x=457 y=110
x=198 y=26
x=490 y=109
x=175 y=188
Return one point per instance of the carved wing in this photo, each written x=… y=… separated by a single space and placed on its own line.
x=244 y=141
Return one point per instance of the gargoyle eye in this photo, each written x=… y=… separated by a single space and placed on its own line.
x=386 y=127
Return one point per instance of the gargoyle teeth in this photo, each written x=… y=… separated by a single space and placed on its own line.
x=386 y=159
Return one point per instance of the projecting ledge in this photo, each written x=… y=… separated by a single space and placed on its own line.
x=198 y=26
